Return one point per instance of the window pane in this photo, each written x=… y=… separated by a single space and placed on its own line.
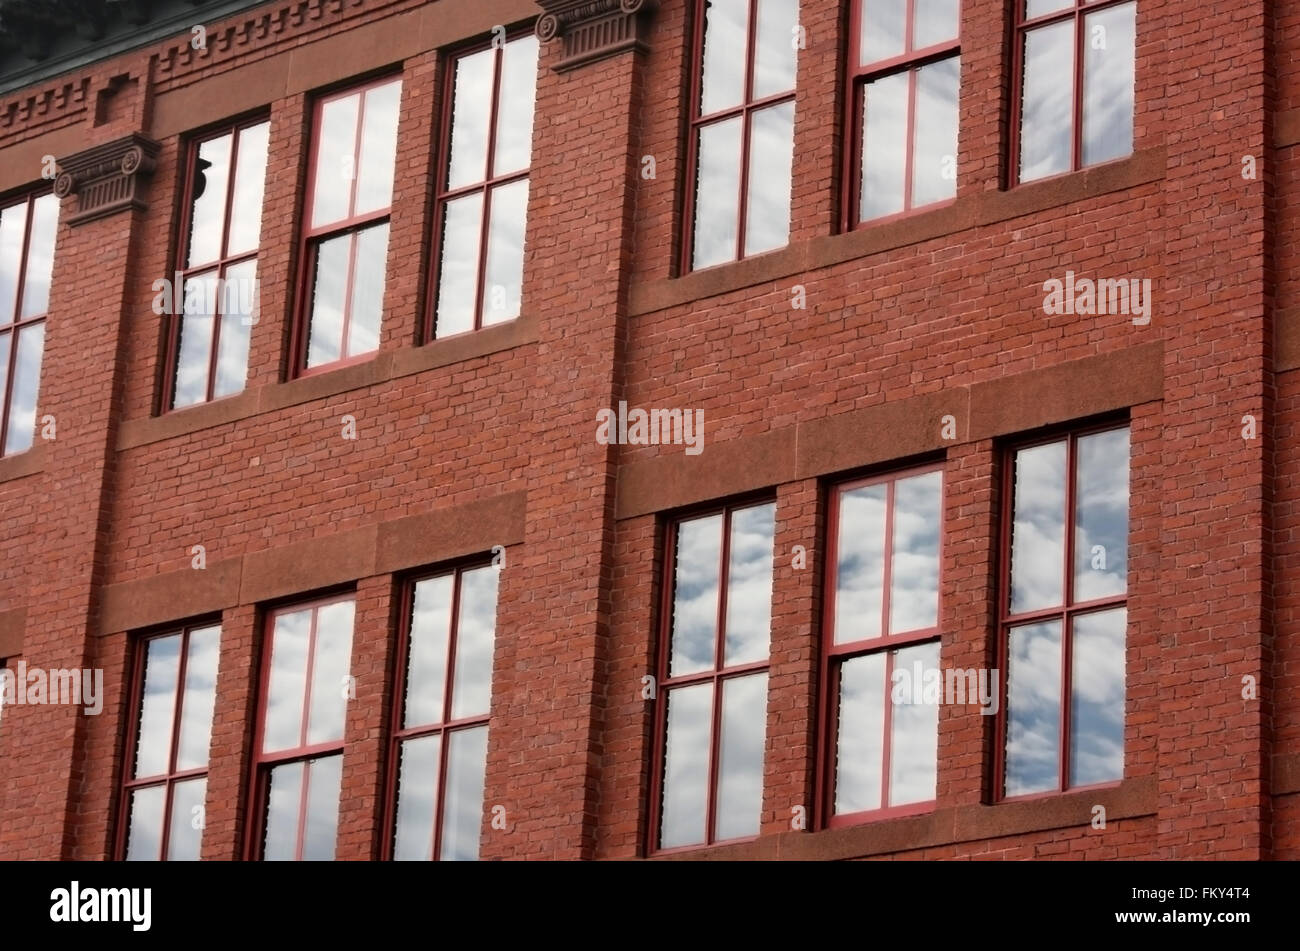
x=860 y=564
x=13 y=226
x=471 y=111
x=427 y=663
x=1038 y=528
x=288 y=681
x=695 y=595
x=749 y=585
x=6 y=341
x=740 y=756
x=280 y=843
x=515 y=104
x=1038 y=8
x=236 y=324
x=1097 y=697
x=378 y=148
x=726 y=40
x=331 y=281
x=250 y=186
x=335 y=160
x=26 y=384
x=1047 y=111
x=40 y=256
x=936 y=21
x=1101 y=515
x=144 y=840
x=475 y=637
x=417 y=798
x=330 y=666
x=1033 y=708
x=717 y=193
x=153 y=746
x=884 y=29
x=505 y=253
x=186 y=837
x=914 y=573
x=320 y=835
x=1109 y=45
x=194 y=350
x=767 y=214
x=458 y=273
x=686 y=766
x=884 y=146
x=934 y=158
x=367 y=290
x=199 y=699
x=462 y=817
x=860 y=749
x=914 y=744
x=208 y=213
x=774 y=52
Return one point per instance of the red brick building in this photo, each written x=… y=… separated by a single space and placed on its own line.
x=558 y=429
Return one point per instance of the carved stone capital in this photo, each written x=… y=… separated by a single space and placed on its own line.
x=107 y=178
x=593 y=29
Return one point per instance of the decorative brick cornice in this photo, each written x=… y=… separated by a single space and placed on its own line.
x=594 y=29
x=107 y=178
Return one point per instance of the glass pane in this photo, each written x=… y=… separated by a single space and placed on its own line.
x=153 y=745
x=427 y=663
x=695 y=595
x=505 y=254
x=250 y=185
x=6 y=341
x=884 y=146
x=40 y=256
x=914 y=743
x=860 y=748
x=936 y=21
x=717 y=194
x=884 y=29
x=208 y=213
x=462 y=818
x=771 y=152
x=1101 y=515
x=775 y=55
x=914 y=571
x=515 y=102
x=471 y=111
x=378 y=148
x=186 y=837
x=1047 y=104
x=1038 y=528
x=26 y=384
x=288 y=682
x=458 y=274
x=237 y=312
x=860 y=564
x=749 y=585
x=1110 y=51
x=417 y=798
x=934 y=157
x=726 y=41
x=1097 y=697
x=368 y=290
x=283 y=804
x=1033 y=708
x=194 y=350
x=331 y=281
x=320 y=835
x=333 y=660
x=740 y=757
x=1038 y=8
x=686 y=766
x=144 y=838
x=335 y=160
x=475 y=636
x=13 y=226
x=199 y=699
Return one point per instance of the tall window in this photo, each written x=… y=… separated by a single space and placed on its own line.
x=881 y=643
x=345 y=243
x=299 y=751
x=441 y=731
x=27 y=232
x=1063 y=612
x=174 y=694
x=905 y=71
x=1075 y=70
x=483 y=199
x=712 y=693
x=220 y=234
x=742 y=129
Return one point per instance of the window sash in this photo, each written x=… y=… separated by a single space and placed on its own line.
x=17 y=329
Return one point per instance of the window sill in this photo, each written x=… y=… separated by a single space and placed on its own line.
x=22 y=464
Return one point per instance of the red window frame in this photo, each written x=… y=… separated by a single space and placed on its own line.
x=222 y=262
x=1075 y=10
x=834 y=656
x=715 y=676
x=353 y=224
x=1066 y=612
x=14 y=330
x=745 y=110
x=859 y=75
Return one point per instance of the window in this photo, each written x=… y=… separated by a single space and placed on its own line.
x=882 y=640
x=1075 y=68
x=713 y=664
x=742 y=129
x=174 y=694
x=1063 y=613
x=27 y=232
x=345 y=244
x=217 y=265
x=483 y=199
x=299 y=743
x=440 y=736
x=904 y=72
